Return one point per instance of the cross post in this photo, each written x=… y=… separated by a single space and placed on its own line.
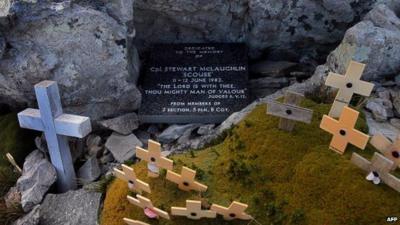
x=56 y=126
x=387 y=148
x=193 y=211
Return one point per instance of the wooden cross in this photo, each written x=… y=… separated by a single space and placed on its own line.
x=154 y=158
x=13 y=162
x=289 y=111
x=348 y=85
x=146 y=203
x=343 y=131
x=134 y=222
x=128 y=174
x=186 y=180
x=387 y=148
x=56 y=126
x=193 y=211
x=235 y=211
x=379 y=167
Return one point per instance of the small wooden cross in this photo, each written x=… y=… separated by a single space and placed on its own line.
x=289 y=111
x=13 y=162
x=193 y=211
x=378 y=169
x=387 y=148
x=235 y=211
x=128 y=174
x=56 y=126
x=186 y=180
x=348 y=85
x=146 y=203
x=134 y=222
x=154 y=159
x=343 y=131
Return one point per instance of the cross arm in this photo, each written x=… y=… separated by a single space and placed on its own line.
x=361 y=162
x=392 y=181
x=73 y=126
x=134 y=222
x=30 y=119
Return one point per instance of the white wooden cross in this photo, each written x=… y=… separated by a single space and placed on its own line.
x=56 y=127
x=128 y=174
x=234 y=211
x=387 y=148
x=193 y=211
x=343 y=131
x=378 y=169
x=348 y=85
x=146 y=204
x=186 y=180
x=154 y=159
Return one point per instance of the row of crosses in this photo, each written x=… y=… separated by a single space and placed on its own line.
x=343 y=128
x=185 y=180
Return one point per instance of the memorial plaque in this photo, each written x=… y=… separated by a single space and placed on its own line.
x=194 y=83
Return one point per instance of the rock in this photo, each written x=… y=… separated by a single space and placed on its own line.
x=89 y=171
x=290 y=27
x=143 y=136
x=395 y=93
x=5 y=8
x=123 y=124
x=382 y=109
x=93 y=143
x=12 y=198
x=384 y=128
x=37 y=176
x=32 y=218
x=93 y=78
x=123 y=147
x=72 y=208
x=271 y=68
x=262 y=87
x=395 y=122
x=374 y=41
x=205 y=129
x=121 y=10
x=153 y=129
x=106 y=158
x=174 y=132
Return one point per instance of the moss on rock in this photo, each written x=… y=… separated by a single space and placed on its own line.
x=286 y=178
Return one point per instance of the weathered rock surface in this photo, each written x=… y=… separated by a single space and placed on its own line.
x=72 y=208
x=89 y=171
x=386 y=129
x=291 y=27
x=123 y=147
x=374 y=41
x=32 y=218
x=174 y=132
x=37 y=176
x=382 y=109
x=12 y=198
x=83 y=49
x=124 y=124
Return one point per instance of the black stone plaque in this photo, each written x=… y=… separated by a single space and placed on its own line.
x=194 y=83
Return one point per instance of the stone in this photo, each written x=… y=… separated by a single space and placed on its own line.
x=194 y=83
x=38 y=176
x=384 y=128
x=205 y=129
x=123 y=147
x=89 y=171
x=32 y=218
x=381 y=109
x=374 y=41
x=99 y=84
x=106 y=158
x=174 y=132
x=121 y=10
x=264 y=86
x=5 y=8
x=395 y=93
x=124 y=124
x=56 y=126
x=12 y=198
x=94 y=145
x=143 y=136
x=397 y=80
x=395 y=122
x=272 y=68
x=72 y=208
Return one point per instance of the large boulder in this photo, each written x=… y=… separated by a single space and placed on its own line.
x=72 y=208
x=374 y=41
x=32 y=218
x=37 y=177
x=293 y=27
x=83 y=49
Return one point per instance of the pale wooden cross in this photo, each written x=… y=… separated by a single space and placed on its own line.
x=234 y=211
x=343 y=131
x=134 y=222
x=154 y=158
x=193 y=211
x=289 y=111
x=348 y=85
x=146 y=203
x=186 y=180
x=56 y=127
x=379 y=167
x=387 y=148
x=128 y=174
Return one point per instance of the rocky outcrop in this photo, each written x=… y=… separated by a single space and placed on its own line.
x=83 y=49
x=32 y=218
x=291 y=27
